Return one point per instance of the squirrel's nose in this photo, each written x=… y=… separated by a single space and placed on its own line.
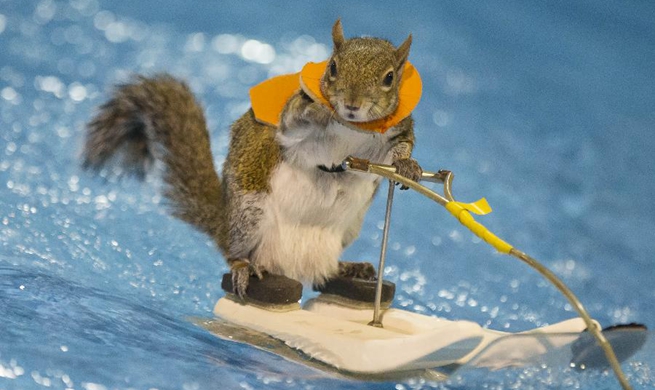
x=351 y=108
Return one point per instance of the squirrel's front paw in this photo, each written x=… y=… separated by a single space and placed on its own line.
x=362 y=270
x=241 y=270
x=316 y=113
x=409 y=168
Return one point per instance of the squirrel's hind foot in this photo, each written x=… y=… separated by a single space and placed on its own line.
x=363 y=270
x=242 y=270
x=252 y=283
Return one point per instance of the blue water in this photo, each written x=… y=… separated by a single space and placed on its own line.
x=544 y=108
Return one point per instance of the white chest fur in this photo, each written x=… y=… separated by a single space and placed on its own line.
x=309 y=214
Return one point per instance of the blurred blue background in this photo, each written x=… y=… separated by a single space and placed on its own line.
x=544 y=108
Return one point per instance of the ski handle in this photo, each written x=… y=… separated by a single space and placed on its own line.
x=462 y=211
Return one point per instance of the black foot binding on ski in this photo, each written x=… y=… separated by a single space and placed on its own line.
x=356 y=292
x=272 y=292
x=626 y=340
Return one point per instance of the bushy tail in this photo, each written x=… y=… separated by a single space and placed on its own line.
x=159 y=119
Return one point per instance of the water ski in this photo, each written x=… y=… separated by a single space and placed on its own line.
x=340 y=337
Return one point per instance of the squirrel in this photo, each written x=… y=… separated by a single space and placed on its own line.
x=282 y=205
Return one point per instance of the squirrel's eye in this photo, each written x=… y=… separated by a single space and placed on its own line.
x=333 y=69
x=388 y=79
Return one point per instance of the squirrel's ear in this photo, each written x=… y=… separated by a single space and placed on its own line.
x=402 y=53
x=337 y=35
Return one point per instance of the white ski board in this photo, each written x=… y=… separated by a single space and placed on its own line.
x=340 y=337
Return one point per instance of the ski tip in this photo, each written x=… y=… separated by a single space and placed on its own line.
x=626 y=340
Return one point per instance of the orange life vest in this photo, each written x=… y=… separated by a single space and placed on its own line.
x=269 y=97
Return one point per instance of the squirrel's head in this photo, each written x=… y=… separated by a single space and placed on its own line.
x=362 y=78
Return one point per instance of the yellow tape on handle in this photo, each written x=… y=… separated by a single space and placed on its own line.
x=479 y=207
x=461 y=212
